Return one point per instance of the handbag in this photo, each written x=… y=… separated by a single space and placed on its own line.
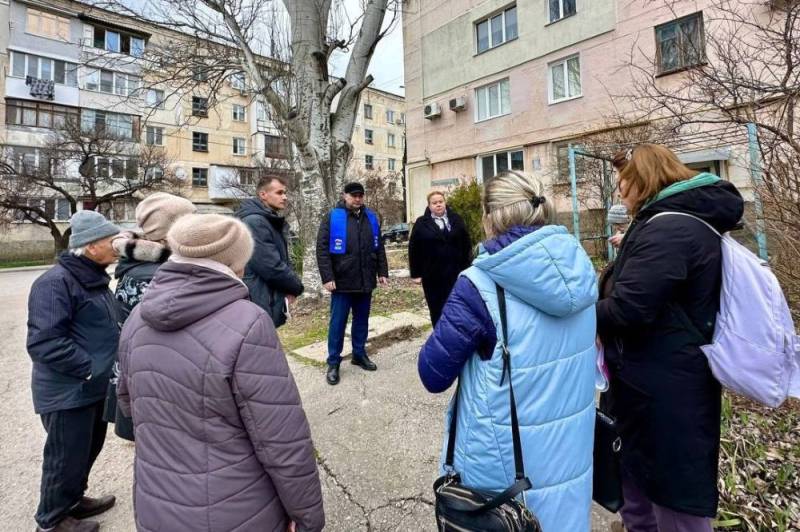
x=607 y=477
x=464 y=509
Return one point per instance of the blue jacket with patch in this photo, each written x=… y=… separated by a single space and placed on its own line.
x=551 y=290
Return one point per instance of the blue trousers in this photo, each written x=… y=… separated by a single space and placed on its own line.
x=341 y=304
x=74 y=439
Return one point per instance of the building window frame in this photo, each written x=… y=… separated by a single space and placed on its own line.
x=154 y=136
x=59 y=27
x=683 y=51
x=239 y=113
x=390 y=116
x=392 y=165
x=21 y=64
x=367 y=111
x=512 y=159
x=32 y=114
x=120 y=42
x=200 y=177
x=276 y=147
x=508 y=26
x=369 y=162
x=390 y=140
x=561 y=9
x=155 y=99
x=200 y=106
x=239 y=146
x=369 y=136
x=564 y=66
x=502 y=89
x=199 y=141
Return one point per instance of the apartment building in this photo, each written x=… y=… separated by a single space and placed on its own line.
x=64 y=60
x=498 y=84
x=379 y=133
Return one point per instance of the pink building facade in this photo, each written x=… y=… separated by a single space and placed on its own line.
x=493 y=84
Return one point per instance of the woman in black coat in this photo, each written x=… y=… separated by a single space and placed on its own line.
x=438 y=250
x=661 y=306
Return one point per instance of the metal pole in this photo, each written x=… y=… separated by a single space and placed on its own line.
x=607 y=193
x=576 y=220
x=756 y=174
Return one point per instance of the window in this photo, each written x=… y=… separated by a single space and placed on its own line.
x=368 y=162
x=23 y=159
x=493 y=164
x=112 y=124
x=561 y=9
x=200 y=177
x=36 y=114
x=565 y=79
x=155 y=98
x=199 y=141
x=368 y=136
x=199 y=74
x=261 y=112
x=238 y=81
x=61 y=210
x=402 y=118
x=106 y=81
x=390 y=140
x=238 y=113
x=390 y=116
x=492 y=100
x=239 y=146
x=367 y=111
x=115 y=41
x=154 y=173
x=392 y=165
x=680 y=44
x=61 y=72
x=497 y=29
x=47 y=25
x=276 y=147
x=199 y=106
x=155 y=136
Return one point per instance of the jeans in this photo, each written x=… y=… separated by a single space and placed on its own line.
x=74 y=439
x=341 y=304
x=639 y=514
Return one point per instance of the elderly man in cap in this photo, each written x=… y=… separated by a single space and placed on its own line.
x=350 y=257
x=73 y=334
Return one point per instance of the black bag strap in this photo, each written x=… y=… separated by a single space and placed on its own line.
x=519 y=465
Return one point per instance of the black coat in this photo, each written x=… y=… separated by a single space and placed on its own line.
x=438 y=256
x=357 y=269
x=72 y=333
x=269 y=275
x=662 y=307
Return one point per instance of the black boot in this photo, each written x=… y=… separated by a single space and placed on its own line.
x=70 y=524
x=333 y=374
x=364 y=362
x=89 y=507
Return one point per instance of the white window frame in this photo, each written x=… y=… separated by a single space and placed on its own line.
x=488 y=20
x=238 y=81
x=486 y=88
x=390 y=116
x=391 y=164
x=239 y=146
x=369 y=162
x=158 y=136
x=390 y=140
x=493 y=155
x=239 y=110
x=158 y=103
x=68 y=67
x=369 y=136
x=61 y=25
x=561 y=16
x=564 y=64
x=368 y=105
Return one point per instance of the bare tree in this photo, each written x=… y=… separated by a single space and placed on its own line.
x=96 y=166
x=314 y=109
x=384 y=194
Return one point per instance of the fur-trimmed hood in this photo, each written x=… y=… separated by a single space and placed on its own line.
x=134 y=250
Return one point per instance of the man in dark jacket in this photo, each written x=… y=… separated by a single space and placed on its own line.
x=350 y=257
x=72 y=339
x=269 y=274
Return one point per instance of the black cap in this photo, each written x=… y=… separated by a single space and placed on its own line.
x=354 y=188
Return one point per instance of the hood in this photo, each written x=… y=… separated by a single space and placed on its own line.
x=254 y=206
x=706 y=196
x=86 y=271
x=181 y=294
x=546 y=269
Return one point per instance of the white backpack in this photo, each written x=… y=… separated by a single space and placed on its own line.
x=755 y=351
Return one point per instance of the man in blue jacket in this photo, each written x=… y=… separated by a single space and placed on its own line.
x=269 y=275
x=350 y=257
x=73 y=334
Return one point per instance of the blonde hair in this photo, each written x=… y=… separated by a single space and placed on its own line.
x=650 y=168
x=436 y=193
x=514 y=198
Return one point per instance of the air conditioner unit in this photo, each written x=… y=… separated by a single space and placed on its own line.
x=458 y=104
x=432 y=110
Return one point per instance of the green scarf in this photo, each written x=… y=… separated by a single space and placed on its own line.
x=700 y=180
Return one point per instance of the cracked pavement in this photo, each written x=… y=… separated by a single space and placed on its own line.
x=377 y=437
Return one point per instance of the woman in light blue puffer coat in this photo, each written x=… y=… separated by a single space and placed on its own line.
x=551 y=289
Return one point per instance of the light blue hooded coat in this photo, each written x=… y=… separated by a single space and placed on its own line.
x=551 y=289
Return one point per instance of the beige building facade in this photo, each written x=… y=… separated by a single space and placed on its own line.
x=379 y=134
x=494 y=85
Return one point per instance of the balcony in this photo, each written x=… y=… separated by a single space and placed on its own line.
x=64 y=94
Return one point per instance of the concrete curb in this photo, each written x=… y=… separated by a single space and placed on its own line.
x=26 y=268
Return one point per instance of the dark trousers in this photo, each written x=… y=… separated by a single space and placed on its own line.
x=74 y=439
x=341 y=304
x=640 y=514
x=437 y=290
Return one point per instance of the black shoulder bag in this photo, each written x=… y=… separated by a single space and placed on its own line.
x=463 y=509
